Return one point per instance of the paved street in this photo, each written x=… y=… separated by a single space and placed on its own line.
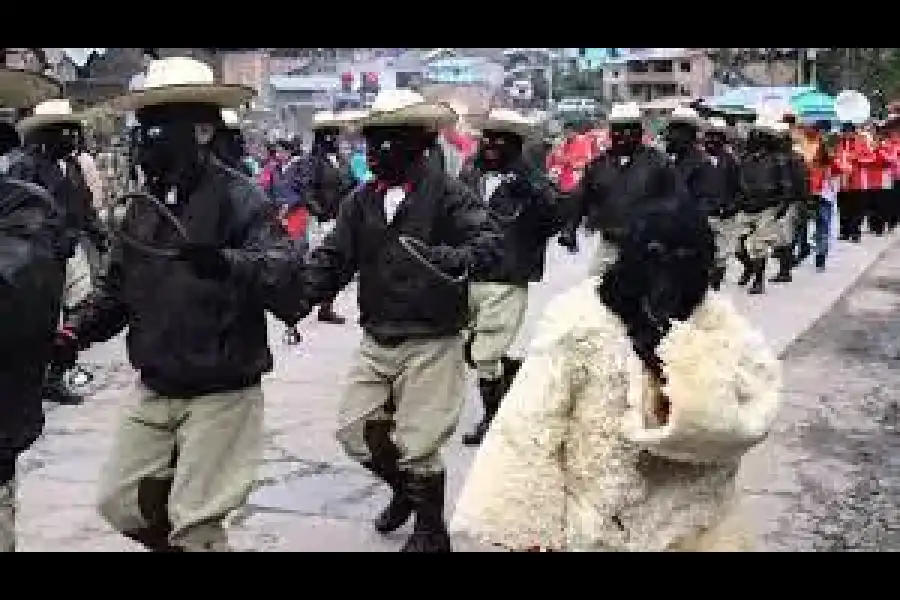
x=803 y=484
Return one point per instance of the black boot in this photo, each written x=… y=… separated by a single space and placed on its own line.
x=385 y=466
x=785 y=264
x=747 y=264
x=491 y=391
x=56 y=390
x=717 y=278
x=430 y=532
x=327 y=315
x=759 y=277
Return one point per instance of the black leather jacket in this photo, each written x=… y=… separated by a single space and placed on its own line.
x=528 y=214
x=399 y=297
x=189 y=336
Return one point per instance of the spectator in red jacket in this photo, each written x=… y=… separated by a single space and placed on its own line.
x=851 y=199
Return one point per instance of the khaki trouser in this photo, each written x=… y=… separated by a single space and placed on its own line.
x=8 y=516
x=763 y=233
x=418 y=386
x=187 y=463
x=497 y=313
x=728 y=232
x=78 y=278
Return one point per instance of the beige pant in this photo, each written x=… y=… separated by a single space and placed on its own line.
x=8 y=516
x=728 y=236
x=765 y=233
x=78 y=278
x=418 y=385
x=497 y=313
x=201 y=452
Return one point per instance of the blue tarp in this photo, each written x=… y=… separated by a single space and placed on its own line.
x=750 y=97
x=813 y=104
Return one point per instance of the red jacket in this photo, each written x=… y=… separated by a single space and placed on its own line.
x=873 y=166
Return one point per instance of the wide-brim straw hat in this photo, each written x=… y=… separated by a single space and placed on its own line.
x=716 y=124
x=505 y=120
x=179 y=80
x=23 y=89
x=403 y=107
x=50 y=112
x=684 y=115
x=625 y=112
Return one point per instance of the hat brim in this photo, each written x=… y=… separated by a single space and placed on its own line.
x=223 y=95
x=430 y=115
x=623 y=120
x=33 y=122
x=483 y=123
x=23 y=89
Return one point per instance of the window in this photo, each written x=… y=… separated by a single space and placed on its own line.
x=662 y=66
x=637 y=66
x=685 y=66
x=582 y=52
x=614 y=91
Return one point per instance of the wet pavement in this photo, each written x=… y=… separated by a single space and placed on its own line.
x=803 y=492
x=838 y=439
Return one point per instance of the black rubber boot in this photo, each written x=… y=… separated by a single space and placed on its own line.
x=385 y=466
x=326 y=314
x=747 y=264
x=717 y=278
x=430 y=531
x=759 y=277
x=491 y=391
x=56 y=390
x=785 y=264
x=153 y=502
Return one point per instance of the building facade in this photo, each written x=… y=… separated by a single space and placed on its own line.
x=648 y=74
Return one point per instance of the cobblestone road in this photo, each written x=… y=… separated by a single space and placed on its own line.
x=311 y=498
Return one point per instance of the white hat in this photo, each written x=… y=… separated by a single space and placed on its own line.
x=717 y=124
x=766 y=124
x=684 y=115
x=626 y=112
x=21 y=89
x=503 y=119
x=325 y=118
x=49 y=112
x=181 y=79
x=406 y=107
x=230 y=118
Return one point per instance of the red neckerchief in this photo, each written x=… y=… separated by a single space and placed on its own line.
x=383 y=186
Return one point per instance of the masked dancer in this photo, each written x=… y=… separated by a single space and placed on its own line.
x=52 y=137
x=412 y=234
x=191 y=432
x=522 y=201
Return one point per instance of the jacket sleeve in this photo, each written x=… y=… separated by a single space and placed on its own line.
x=104 y=313
x=550 y=212
x=332 y=265
x=263 y=257
x=475 y=231
x=515 y=492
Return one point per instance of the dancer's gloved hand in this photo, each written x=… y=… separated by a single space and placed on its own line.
x=64 y=350
x=207 y=261
x=452 y=261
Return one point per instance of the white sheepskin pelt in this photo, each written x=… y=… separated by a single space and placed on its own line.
x=569 y=462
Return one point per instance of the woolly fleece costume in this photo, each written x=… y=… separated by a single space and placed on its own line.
x=570 y=462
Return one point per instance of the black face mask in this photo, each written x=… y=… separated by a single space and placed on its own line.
x=498 y=151
x=395 y=152
x=166 y=144
x=714 y=142
x=325 y=141
x=680 y=138
x=56 y=142
x=625 y=139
